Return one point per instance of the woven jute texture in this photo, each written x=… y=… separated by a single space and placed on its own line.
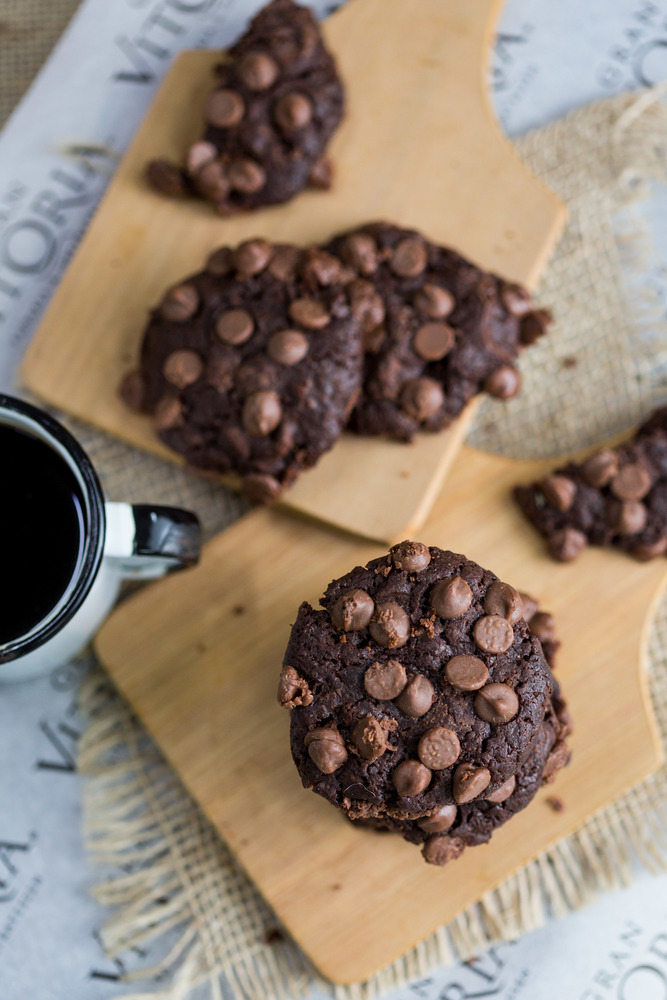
x=28 y=31
x=598 y=372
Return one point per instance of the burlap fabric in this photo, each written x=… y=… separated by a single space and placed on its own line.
x=28 y=31
x=599 y=372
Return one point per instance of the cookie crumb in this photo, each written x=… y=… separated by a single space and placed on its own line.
x=555 y=803
x=273 y=935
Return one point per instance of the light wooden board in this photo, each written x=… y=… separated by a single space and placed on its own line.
x=419 y=146
x=203 y=678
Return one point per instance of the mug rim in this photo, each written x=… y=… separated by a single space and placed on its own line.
x=95 y=534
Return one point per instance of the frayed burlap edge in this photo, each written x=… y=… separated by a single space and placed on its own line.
x=600 y=371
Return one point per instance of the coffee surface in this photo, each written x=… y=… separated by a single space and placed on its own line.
x=42 y=523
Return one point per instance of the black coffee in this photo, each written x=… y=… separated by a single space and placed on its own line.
x=42 y=523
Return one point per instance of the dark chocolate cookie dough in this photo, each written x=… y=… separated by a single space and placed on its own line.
x=252 y=365
x=418 y=687
x=617 y=497
x=277 y=101
x=437 y=330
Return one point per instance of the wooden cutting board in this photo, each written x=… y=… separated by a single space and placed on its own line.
x=419 y=146
x=198 y=657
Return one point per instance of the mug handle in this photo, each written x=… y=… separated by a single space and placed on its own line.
x=147 y=541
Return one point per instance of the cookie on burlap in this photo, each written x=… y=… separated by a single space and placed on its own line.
x=252 y=366
x=437 y=331
x=277 y=101
x=617 y=497
x=419 y=686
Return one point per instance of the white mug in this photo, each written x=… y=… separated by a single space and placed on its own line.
x=120 y=542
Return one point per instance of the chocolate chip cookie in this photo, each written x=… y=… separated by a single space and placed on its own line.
x=617 y=497
x=437 y=330
x=253 y=365
x=277 y=101
x=419 y=686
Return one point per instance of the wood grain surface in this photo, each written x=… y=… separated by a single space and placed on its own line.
x=419 y=146
x=198 y=657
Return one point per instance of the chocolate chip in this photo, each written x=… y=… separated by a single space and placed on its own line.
x=352 y=611
x=632 y=482
x=409 y=258
x=466 y=673
x=559 y=492
x=287 y=347
x=262 y=412
x=417 y=697
x=470 y=782
x=390 y=625
x=600 y=469
x=372 y=340
x=198 y=155
x=558 y=758
x=370 y=738
x=224 y=108
x=567 y=544
x=166 y=178
x=422 y=398
x=246 y=176
x=628 y=518
x=322 y=267
x=284 y=263
x=503 y=383
x=220 y=262
x=261 y=488
x=441 y=850
x=503 y=600
x=168 y=413
x=180 y=303
x=309 y=313
x=530 y=606
x=212 y=181
x=235 y=326
x=326 y=749
x=251 y=257
x=439 y=748
x=411 y=778
x=132 y=391
x=412 y=557
x=182 y=368
x=516 y=299
x=503 y=793
x=293 y=112
x=434 y=302
x=543 y=626
x=451 y=598
x=439 y=821
x=534 y=325
x=321 y=175
x=385 y=681
x=293 y=690
x=360 y=251
x=366 y=304
x=493 y=634
x=496 y=704
x=433 y=341
x=649 y=550
x=258 y=71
